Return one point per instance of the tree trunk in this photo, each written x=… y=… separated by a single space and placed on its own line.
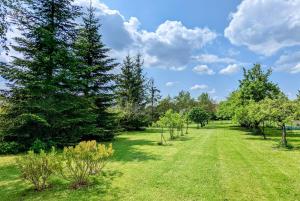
x=283 y=137
x=263 y=131
x=187 y=128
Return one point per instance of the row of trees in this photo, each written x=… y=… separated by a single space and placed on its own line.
x=176 y=122
x=258 y=101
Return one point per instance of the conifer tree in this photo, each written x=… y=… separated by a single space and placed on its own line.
x=125 y=86
x=95 y=72
x=139 y=90
x=42 y=101
x=131 y=92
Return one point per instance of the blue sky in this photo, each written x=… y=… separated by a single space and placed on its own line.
x=201 y=46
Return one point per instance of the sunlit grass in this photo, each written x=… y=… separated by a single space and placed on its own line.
x=219 y=162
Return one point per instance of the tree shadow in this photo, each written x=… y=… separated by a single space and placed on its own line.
x=182 y=138
x=10 y=183
x=99 y=186
x=273 y=134
x=152 y=130
x=127 y=150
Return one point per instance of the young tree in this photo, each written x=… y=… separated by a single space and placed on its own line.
x=187 y=122
x=280 y=111
x=95 y=73
x=161 y=123
x=172 y=120
x=43 y=88
x=199 y=116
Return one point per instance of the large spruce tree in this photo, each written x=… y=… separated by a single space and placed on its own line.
x=95 y=73
x=42 y=100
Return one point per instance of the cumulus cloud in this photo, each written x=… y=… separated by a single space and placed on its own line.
x=199 y=87
x=212 y=91
x=171 y=84
x=203 y=69
x=289 y=62
x=230 y=69
x=171 y=45
x=265 y=26
x=211 y=58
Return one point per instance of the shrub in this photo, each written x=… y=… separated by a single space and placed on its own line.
x=9 y=147
x=38 y=145
x=82 y=161
x=37 y=168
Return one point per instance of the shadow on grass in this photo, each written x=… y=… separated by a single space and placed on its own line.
x=274 y=135
x=181 y=138
x=14 y=189
x=131 y=150
x=11 y=186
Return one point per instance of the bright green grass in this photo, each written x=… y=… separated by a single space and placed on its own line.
x=219 y=162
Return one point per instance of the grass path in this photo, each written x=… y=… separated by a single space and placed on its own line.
x=219 y=162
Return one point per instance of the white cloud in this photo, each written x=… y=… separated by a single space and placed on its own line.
x=170 y=46
x=230 y=69
x=113 y=29
x=199 y=87
x=211 y=58
x=212 y=91
x=265 y=26
x=203 y=69
x=171 y=84
x=289 y=62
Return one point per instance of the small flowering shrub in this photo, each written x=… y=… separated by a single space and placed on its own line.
x=85 y=159
x=37 y=168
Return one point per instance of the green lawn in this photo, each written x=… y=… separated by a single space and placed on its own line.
x=219 y=162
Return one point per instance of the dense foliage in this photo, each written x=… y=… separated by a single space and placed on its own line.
x=258 y=101
x=60 y=87
x=199 y=116
x=173 y=122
